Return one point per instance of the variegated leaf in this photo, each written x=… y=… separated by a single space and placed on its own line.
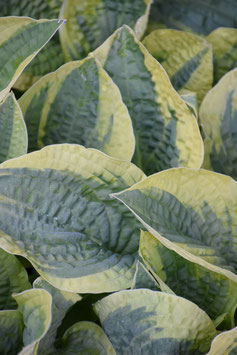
x=85 y=338
x=224 y=343
x=192 y=212
x=13 y=133
x=149 y=322
x=51 y=56
x=73 y=105
x=89 y=23
x=13 y=279
x=166 y=132
x=190 y=98
x=57 y=213
x=35 y=307
x=218 y=115
x=186 y=58
x=61 y=302
x=224 y=44
x=143 y=279
x=21 y=39
x=211 y=291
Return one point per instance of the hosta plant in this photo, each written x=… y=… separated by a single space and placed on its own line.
x=118 y=198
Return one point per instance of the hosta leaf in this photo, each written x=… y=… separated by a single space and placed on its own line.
x=212 y=292
x=165 y=130
x=190 y=98
x=11 y=331
x=186 y=58
x=13 y=278
x=48 y=60
x=224 y=44
x=224 y=343
x=73 y=105
x=198 y=16
x=89 y=23
x=22 y=38
x=143 y=279
x=150 y=322
x=148 y=266
x=13 y=133
x=34 y=9
x=86 y=338
x=61 y=301
x=56 y=212
x=51 y=56
x=218 y=115
x=192 y=212
x=35 y=306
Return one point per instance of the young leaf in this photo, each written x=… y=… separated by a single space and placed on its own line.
x=73 y=105
x=13 y=279
x=224 y=343
x=11 y=332
x=192 y=212
x=166 y=132
x=190 y=98
x=86 y=338
x=143 y=279
x=51 y=56
x=186 y=58
x=224 y=45
x=13 y=133
x=21 y=39
x=212 y=292
x=35 y=306
x=196 y=16
x=89 y=23
x=147 y=320
x=57 y=213
x=61 y=301
x=218 y=115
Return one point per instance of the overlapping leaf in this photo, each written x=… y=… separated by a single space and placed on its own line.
x=186 y=58
x=13 y=279
x=192 y=212
x=73 y=105
x=197 y=16
x=61 y=302
x=224 y=45
x=21 y=39
x=35 y=307
x=150 y=322
x=22 y=329
x=165 y=130
x=143 y=279
x=11 y=332
x=190 y=98
x=51 y=57
x=89 y=23
x=86 y=338
x=218 y=114
x=13 y=133
x=224 y=343
x=56 y=212
x=212 y=292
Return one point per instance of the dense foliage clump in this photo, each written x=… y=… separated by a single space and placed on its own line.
x=118 y=194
